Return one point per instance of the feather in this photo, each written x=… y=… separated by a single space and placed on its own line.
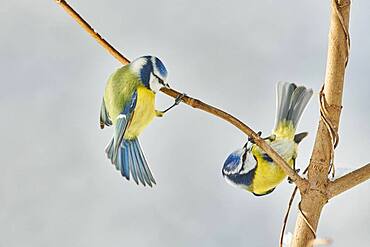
x=233 y=164
x=140 y=161
x=138 y=166
x=284 y=147
x=109 y=150
x=144 y=162
x=122 y=124
x=291 y=102
x=119 y=131
x=131 y=162
x=300 y=104
x=284 y=92
x=299 y=137
x=104 y=116
x=119 y=161
x=125 y=166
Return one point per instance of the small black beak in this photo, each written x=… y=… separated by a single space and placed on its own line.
x=163 y=83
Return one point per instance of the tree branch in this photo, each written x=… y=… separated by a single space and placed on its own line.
x=322 y=155
x=92 y=32
x=349 y=181
x=300 y=182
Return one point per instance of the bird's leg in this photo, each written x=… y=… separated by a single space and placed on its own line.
x=290 y=180
x=271 y=137
x=259 y=133
x=296 y=170
x=158 y=113
x=177 y=101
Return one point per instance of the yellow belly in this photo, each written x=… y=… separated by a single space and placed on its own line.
x=267 y=176
x=143 y=114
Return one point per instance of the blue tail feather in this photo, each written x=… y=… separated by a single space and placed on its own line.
x=139 y=160
x=130 y=159
x=137 y=165
x=131 y=163
x=119 y=161
x=125 y=168
x=143 y=161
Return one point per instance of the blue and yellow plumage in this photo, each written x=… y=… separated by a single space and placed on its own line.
x=251 y=168
x=129 y=105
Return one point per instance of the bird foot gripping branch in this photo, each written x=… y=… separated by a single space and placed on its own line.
x=178 y=100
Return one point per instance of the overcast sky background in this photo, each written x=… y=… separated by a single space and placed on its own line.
x=58 y=189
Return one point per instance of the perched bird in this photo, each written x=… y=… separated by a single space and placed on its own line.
x=129 y=105
x=252 y=169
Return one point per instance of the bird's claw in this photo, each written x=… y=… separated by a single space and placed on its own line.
x=159 y=113
x=271 y=137
x=177 y=101
x=250 y=139
x=259 y=133
x=179 y=98
x=289 y=179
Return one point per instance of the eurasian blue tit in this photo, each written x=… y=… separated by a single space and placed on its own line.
x=250 y=168
x=129 y=105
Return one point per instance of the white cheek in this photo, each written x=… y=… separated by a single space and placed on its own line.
x=154 y=84
x=137 y=65
x=249 y=164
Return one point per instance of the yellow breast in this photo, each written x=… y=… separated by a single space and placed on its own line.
x=267 y=175
x=143 y=114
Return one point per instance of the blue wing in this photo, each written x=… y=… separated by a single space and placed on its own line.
x=122 y=122
x=127 y=155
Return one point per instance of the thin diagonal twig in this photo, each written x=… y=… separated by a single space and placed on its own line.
x=300 y=182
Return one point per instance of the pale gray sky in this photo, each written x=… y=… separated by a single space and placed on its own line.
x=58 y=189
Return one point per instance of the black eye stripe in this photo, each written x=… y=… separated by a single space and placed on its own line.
x=159 y=79
x=244 y=157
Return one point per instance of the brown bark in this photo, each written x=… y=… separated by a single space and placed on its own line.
x=316 y=196
x=349 y=181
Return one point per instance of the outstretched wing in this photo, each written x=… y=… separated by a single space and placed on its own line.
x=123 y=120
x=105 y=119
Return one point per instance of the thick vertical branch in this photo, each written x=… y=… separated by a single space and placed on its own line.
x=316 y=197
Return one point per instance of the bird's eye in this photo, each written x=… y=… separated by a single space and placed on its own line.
x=159 y=79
